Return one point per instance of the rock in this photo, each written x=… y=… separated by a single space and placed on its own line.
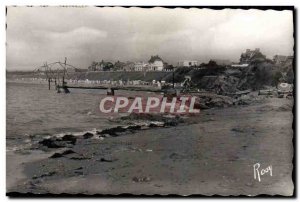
x=171 y=122
x=69 y=151
x=59 y=155
x=50 y=143
x=56 y=155
x=220 y=102
x=242 y=102
x=156 y=124
x=239 y=130
x=145 y=127
x=210 y=100
x=88 y=135
x=245 y=99
x=54 y=142
x=78 y=172
x=203 y=106
x=106 y=135
x=134 y=127
x=45 y=175
x=113 y=131
x=70 y=138
x=144 y=117
x=80 y=158
x=140 y=122
x=79 y=168
x=144 y=121
x=107 y=160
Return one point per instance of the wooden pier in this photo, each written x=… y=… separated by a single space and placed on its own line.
x=127 y=88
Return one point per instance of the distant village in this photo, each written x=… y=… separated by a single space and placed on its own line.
x=253 y=71
x=156 y=63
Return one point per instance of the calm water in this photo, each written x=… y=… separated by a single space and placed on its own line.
x=32 y=109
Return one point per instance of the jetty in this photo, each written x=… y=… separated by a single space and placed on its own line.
x=127 y=88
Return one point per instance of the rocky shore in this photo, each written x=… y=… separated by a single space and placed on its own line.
x=212 y=153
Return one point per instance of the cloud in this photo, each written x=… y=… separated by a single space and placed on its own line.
x=83 y=34
x=80 y=34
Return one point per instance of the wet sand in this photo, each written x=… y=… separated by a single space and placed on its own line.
x=214 y=154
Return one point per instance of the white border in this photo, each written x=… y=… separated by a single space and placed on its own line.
x=5 y=3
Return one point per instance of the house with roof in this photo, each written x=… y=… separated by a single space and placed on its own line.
x=118 y=66
x=101 y=66
x=140 y=66
x=155 y=64
x=280 y=59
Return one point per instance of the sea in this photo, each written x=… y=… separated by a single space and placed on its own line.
x=33 y=110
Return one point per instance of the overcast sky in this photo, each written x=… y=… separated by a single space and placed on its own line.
x=39 y=34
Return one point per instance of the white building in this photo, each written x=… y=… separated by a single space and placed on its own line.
x=140 y=66
x=187 y=63
x=157 y=65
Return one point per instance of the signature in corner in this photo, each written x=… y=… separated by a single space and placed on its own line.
x=258 y=172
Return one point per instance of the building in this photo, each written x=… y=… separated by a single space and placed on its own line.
x=282 y=59
x=101 y=66
x=118 y=66
x=154 y=58
x=156 y=64
x=252 y=55
x=140 y=66
x=279 y=59
x=168 y=68
x=188 y=63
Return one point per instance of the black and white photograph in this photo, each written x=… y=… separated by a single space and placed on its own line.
x=184 y=101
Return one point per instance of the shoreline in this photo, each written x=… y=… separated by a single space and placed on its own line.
x=114 y=166
x=34 y=151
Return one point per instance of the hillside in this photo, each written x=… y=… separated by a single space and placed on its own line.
x=222 y=80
